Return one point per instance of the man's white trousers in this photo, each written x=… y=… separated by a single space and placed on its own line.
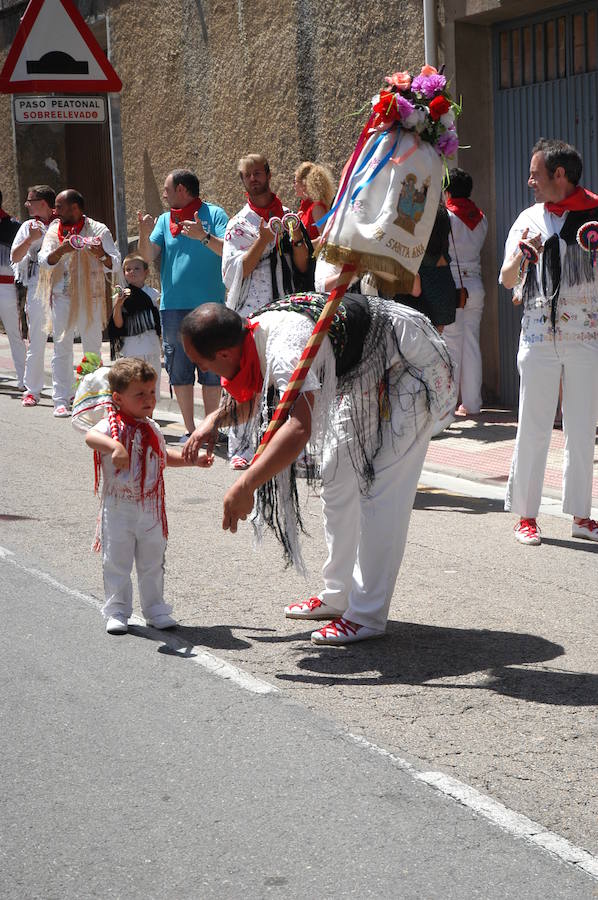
x=366 y=535
x=34 y=365
x=9 y=314
x=62 y=360
x=131 y=534
x=540 y=368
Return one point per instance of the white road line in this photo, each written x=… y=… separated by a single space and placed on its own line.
x=507 y=819
x=212 y=663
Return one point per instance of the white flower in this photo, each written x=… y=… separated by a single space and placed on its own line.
x=415 y=120
x=447 y=119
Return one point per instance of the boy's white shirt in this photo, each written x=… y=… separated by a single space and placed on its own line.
x=125 y=483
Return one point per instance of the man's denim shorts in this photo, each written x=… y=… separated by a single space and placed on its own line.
x=178 y=365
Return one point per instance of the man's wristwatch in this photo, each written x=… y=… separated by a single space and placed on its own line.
x=206 y=240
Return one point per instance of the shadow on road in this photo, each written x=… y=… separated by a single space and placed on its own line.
x=431 y=498
x=217 y=637
x=417 y=654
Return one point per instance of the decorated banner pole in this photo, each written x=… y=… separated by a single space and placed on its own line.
x=307 y=357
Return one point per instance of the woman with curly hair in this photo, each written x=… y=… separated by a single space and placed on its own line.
x=315 y=188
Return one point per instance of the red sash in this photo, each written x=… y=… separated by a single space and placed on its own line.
x=466 y=210
x=579 y=200
x=185 y=214
x=248 y=381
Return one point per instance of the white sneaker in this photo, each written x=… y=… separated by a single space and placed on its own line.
x=587 y=528
x=341 y=631
x=310 y=609
x=161 y=622
x=61 y=412
x=117 y=624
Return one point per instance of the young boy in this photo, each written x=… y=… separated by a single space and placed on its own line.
x=134 y=326
x=133 y=522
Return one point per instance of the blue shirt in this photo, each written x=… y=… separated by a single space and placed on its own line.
x=191 y=274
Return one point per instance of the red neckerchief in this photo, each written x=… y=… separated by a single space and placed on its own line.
x=185 y=214
x=3 y=214
x=149 y=436
x=248 y=381
x=466 y=210
x=274 y=208
x=65 y=231
x=579 y=200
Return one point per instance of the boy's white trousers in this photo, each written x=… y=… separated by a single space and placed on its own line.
x=540 y=368
x=131 y=534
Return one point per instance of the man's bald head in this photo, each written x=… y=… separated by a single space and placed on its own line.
x=213 y=327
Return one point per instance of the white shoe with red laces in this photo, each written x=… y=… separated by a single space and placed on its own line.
x=313 y=608
x=587 y=528
x=527 y=532
x=341 y=631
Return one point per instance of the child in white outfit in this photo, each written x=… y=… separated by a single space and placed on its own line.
x=130 y=454
x=134 y=326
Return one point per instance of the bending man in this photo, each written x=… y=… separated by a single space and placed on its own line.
x=377 y=385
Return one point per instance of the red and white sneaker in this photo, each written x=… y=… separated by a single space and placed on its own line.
x=587 y=528
x=527 y=532
x=29 y=399
x=313 y=608
x=239 y=463
x=341 y=631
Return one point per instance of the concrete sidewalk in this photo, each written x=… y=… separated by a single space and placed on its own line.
x=476 y=449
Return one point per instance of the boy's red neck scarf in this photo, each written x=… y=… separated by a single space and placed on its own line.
x=581 y=199
x=466 y=210
x=3 y=214
x=248 y=381
x=186 y=213
x=65 y=231
x=274 y=208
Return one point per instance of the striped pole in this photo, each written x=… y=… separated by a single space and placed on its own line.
x=307 y=357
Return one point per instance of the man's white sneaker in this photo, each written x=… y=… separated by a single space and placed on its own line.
x=117 y=624
x=341 y=631
x=61 y=412
x=310 y=609
x=161 y=622
x=527 y=532
x=587 y=529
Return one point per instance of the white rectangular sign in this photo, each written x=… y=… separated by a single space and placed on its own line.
x=69 y=110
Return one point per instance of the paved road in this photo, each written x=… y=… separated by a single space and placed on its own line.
x=489 y=671
x=128 y=772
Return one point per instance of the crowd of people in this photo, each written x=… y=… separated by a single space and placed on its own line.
x=237 y=302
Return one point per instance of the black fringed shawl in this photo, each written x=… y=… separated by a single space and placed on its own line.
x=293 y=280
x=8 y=230
x=139 y=315
x=577 y=268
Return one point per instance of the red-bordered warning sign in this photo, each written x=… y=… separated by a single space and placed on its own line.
x=54 y=50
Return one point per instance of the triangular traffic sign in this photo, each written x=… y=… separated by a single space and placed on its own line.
x=54 y=50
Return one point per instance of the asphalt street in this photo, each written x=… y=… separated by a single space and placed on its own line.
x=488 y=675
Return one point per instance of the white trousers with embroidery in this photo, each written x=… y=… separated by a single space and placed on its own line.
x=540 y=368
x=9 y=314
x=131 y=534
x=366 y=535
x=62 y=360
x=463 y=341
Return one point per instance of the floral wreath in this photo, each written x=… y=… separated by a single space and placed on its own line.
x=89 y=363
x=420 y=104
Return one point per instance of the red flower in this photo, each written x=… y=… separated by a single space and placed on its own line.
x=438 y=107
x=79 y=370
x=84 y=359
x=386 y=108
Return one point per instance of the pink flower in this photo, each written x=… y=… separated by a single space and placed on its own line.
x=405 y=108
x=428 y=70
x=400 y=80
x=447 y=144
x=429 y=85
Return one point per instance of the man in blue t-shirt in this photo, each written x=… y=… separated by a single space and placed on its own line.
x=189 y=241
